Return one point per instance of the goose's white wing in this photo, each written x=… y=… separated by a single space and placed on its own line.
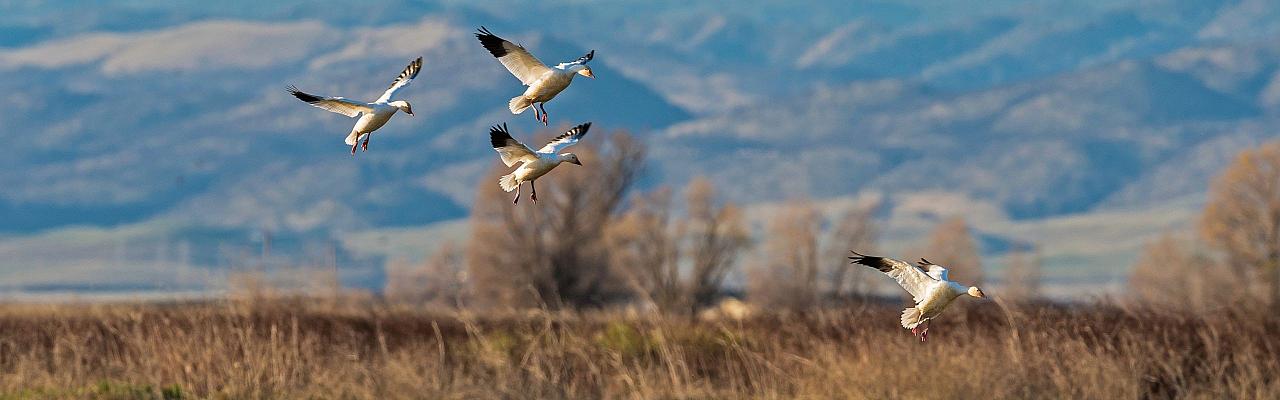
x=403 y=80
x=523 y=65
x=565 y=139
x=510 y=149
x=908 y=276
x=934 y=271
x=350 y=108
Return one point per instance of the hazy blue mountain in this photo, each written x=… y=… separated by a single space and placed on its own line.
x=147 y=112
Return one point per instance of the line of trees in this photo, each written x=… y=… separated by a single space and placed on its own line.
x=589 y=242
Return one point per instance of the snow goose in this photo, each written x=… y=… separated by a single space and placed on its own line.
x=544 y=82
x=371 y=115
x=929 y=288
x=532 y=164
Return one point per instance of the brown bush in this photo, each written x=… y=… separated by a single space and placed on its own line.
x=1171 y=273
x=1242 y=216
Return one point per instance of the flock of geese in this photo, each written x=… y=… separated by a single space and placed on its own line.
x=928 y=283
x=544 y=84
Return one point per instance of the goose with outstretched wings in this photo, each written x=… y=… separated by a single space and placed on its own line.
x=371 y=116
x=544 y=82
x=533 y=164
x=927 y=284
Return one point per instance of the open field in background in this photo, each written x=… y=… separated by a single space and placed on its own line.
x=1083 y=255
x=350 y=348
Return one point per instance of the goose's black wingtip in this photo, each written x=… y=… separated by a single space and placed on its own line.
x=304 y=96
x=499 y=136
x=491 y=42
x=856 y=257
x=498 y=129
x=879 y=263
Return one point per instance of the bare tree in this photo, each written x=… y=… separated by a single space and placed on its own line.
x=853 y=230
x=552 y=253
x=789 y=276
x=1022 y=276
x=1171 y=273
x=952 y=245
x=644 y=249
x=1242 y=216
x=716 y=234
x=439 y=281
x=679 y=265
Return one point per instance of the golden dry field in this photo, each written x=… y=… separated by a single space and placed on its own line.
x=315 y=348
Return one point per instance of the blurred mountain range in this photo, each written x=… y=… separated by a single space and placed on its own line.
x=161 y=131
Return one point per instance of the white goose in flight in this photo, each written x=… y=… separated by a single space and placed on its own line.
x=544 y=82
x=532 y=164
x=372 y=115
x=931 y=290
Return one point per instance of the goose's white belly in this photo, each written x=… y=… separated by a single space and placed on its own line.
x=371 y=122
x=548 y=87
x=936 y=300
x=533 y=170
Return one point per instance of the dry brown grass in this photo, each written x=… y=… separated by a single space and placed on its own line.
x=292 y=349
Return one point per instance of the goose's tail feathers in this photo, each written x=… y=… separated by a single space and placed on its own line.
x=519 y=103
x=508 y=182
x=911 y=318
x=353 y=138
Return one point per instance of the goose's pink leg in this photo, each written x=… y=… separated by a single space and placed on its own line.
x=921 y=331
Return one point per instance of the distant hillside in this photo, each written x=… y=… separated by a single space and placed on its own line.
x=171 y=121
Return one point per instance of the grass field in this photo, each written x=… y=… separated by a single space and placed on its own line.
x=308 y=348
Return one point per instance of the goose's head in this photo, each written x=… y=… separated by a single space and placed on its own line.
x=403 y=106
x=975 y=292
x=570 y=158
x=585 y=71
